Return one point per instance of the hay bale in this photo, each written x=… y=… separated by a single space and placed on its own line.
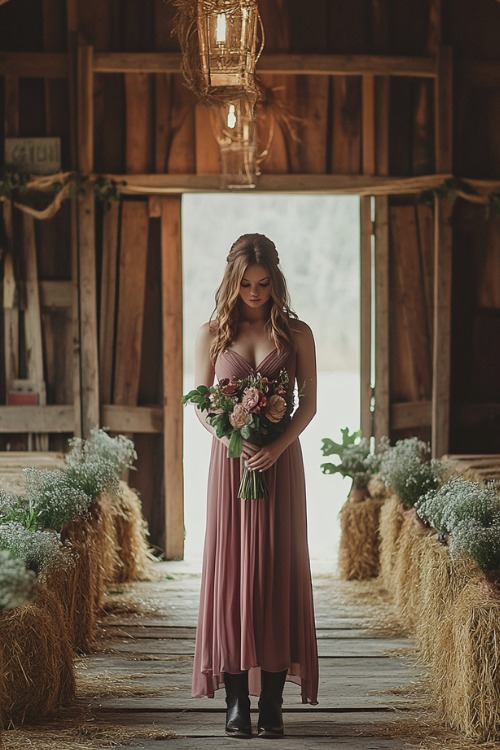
x=131 y=537
x=391 y=520
x=406 y=573
x=36 y=658
x=441 y=581
x=471 y=695
x=80 y=587
x=359 y=540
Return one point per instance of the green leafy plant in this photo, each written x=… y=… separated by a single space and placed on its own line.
x=16 y=582
x=356 y=459
x=406 y=469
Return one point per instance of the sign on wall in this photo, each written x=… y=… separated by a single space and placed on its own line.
x=33 y=155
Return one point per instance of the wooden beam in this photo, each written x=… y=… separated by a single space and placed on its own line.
x=39 y=419
x=442 y=327
x=146 y=184
x=287 y=64
x=132 y=419
x=381 y=412
x=34 y=64
x=444 y=110
x=172 y=374
x=366 y=316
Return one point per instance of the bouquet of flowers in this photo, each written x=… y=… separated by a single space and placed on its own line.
x=253 y=408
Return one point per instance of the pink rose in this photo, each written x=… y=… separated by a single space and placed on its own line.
x=276 y=409
x=238 y=417
x=253 y=400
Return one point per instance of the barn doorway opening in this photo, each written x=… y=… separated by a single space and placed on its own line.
x=318 y=241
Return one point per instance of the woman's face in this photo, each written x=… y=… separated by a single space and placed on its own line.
x=255 y=286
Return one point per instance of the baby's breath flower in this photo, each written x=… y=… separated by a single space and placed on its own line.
x=406 y=470
x=38 y=549
x=16 y=582
x=118 y=451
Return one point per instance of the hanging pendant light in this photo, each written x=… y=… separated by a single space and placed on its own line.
x=231 y=39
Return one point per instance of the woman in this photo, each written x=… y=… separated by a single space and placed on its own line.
x=256 y=621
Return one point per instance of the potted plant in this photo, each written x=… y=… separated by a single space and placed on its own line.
x=355 y=461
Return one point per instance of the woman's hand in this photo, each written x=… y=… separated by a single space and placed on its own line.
x=249 y=450
x=265 y=457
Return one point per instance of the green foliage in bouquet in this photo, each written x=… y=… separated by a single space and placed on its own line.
x=16 y=582
x=470 y=513
x=38 y=550
x=405 y=468
x=356 y=459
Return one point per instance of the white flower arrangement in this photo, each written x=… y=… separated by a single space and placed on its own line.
x=29 y=523
x=16 y=582
x=38 y=549
x=470 y=513
x=406 y=470
x=116 y=451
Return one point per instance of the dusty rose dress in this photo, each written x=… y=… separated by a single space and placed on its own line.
x=256 y=607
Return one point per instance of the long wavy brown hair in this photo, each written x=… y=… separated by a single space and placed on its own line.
x=250 y=250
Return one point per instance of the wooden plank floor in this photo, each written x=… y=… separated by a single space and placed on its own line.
x=367 y=680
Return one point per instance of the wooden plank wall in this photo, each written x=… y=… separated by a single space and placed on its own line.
x=347 y=125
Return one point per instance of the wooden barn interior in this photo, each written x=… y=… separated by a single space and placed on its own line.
x=395 y=100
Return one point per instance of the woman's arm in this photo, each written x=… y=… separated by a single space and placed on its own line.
x=204 y=371
x=205 y=375
x=306 y=379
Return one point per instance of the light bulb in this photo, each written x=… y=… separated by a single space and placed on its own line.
x=220 y=36
x=231 y=116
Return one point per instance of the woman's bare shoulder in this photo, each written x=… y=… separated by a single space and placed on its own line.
x=207 y=331
x=301 y=330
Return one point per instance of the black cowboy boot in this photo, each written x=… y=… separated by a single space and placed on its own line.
x=270 y=702
x=238 y=722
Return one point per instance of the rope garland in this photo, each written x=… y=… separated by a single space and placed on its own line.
x=106 y=188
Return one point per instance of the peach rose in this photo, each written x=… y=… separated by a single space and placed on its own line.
x=276 y=409
x=238 y=417
x=253 y=400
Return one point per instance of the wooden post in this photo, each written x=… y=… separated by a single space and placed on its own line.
x=444 y=110
x=10 y=302
x=86 y=243
x=172 y=374
x=108 y=300
x=441 y=375
x=381 y=414
x=366 y=315
x=442 y=328
x=368 y=124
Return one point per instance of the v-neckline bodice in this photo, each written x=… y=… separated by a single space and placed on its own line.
x=259 y=365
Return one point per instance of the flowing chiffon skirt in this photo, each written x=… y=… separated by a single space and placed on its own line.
x=256 y=604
